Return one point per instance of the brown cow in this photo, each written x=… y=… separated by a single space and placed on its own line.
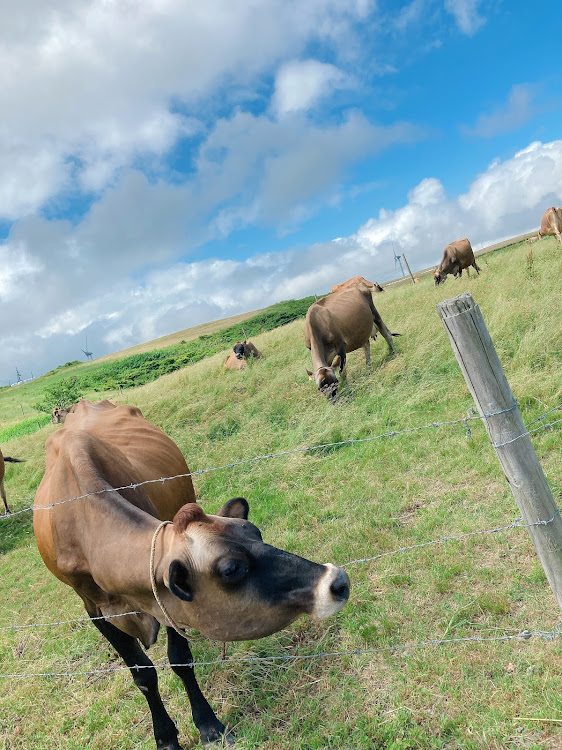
x=551 y=224
x=242 y=351
x=359 y=281
x=7 y=459
x=60 y=413
x=457 y=256
x=338 y=324
x=212 y=573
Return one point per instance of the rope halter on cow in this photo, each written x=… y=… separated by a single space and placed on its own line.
x=161 y=604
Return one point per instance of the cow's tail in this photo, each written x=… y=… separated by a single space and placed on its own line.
x=11 y=460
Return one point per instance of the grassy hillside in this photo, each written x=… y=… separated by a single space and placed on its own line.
x=338 y=505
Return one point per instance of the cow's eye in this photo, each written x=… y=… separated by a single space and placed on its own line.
x=232 y=570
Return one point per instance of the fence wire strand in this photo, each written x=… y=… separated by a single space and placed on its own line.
x=515 y=524
x=304 y=449
x=523 y=635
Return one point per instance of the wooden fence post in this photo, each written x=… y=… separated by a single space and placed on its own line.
x=486 y=380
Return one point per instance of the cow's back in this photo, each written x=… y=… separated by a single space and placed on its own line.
x=150 y=452
x=347 y=314
x=460 y=251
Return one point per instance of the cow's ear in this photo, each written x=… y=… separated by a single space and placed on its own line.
x=236 y=508
x=179 y=581
x=310 y=375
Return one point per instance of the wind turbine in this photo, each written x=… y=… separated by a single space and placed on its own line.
x=86 y=352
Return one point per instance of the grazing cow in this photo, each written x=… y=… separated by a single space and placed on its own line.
x=358 y=281
x=551 y=224
x=212 y=573
x=457 y=256
x=338 y=324
x=242 y=351
x=6 y=459
x=60 y=413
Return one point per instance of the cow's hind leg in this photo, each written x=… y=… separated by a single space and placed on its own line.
x=210 y=728
x=4 y=497
x=128 y=648
x=367 y=350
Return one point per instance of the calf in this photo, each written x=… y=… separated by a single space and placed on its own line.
x=153 y=551
x=338 y=324
x=457 y=256
x=551 y=224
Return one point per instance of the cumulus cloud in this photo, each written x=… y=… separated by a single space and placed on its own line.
x=465 y=13
x=519 y=109
x=299 y=85
x=88 y=87
x=116 y=308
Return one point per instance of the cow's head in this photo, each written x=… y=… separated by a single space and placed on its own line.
x=240 y=349
x=326 y=380
x=59 y=415
x=439 y=277
x=377 y=287
x=223 y=580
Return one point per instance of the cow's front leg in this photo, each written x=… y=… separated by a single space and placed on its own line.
x=210 y=728
x=128 y=648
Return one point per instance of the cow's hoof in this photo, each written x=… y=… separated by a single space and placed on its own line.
x=173 y=745
x=216 y=736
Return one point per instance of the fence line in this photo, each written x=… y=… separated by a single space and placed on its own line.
x=524 y=635
x=304 y=449
x=515 y=524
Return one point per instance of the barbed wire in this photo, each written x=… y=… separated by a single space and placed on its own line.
x=304 y=449
x=523 y=635
x=352 y=441
x=515 y=524
x=545 y=426
x=66 y=622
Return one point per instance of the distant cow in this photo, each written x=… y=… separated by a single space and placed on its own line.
x=6 y=459
x=60 y=413
x=242 y=351
x=457 y=256
x=210 y=573
x=338 y=324
x=551 y=224
x=357 y=281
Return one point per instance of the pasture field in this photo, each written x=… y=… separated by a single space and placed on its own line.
x=336 y=504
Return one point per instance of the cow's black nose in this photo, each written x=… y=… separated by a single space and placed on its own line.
x=340 y=587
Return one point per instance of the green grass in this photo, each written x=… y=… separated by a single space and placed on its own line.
x=338 y=505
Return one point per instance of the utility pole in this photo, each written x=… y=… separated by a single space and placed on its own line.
x=408 y=267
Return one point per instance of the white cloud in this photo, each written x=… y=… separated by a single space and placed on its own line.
x=299 y=85
x=117 y=308
x=87 y=87
x=519 y=108
x=465 y=13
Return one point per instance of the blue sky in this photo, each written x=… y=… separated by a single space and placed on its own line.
x=165 y=163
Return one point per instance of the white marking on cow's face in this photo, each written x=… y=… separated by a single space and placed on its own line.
x=332 y=592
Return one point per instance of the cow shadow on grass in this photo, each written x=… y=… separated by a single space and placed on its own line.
x=15 y=531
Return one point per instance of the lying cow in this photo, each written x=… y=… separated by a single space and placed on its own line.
x=551 y=224
x=457 y=256
x=242 y=351
x=338 y=324
x=212 y=573
x=358 y=281
x=3 y=460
